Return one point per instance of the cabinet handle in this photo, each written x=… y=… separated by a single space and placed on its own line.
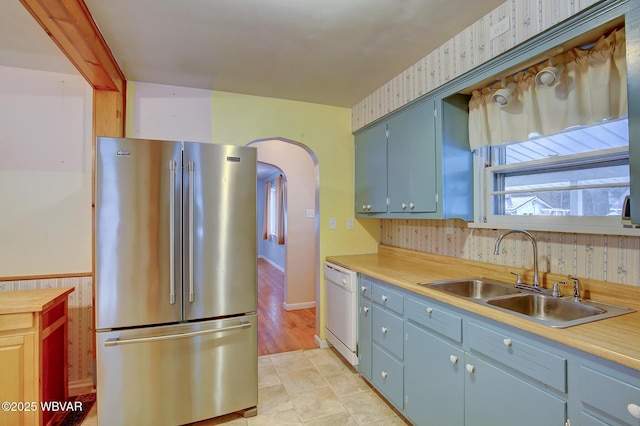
x=384 y=330
x=411 y=206
x=365 y=309
x=470 y=368
x=384 y=374
x=384 y=298
x=507 y=342
x=453 y=359
x=403 y=205
x=634 y=410
x=429 y=310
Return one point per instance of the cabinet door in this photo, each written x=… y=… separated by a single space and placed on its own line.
x=609 y=395
x=18 y=380
x=371 y=170
x=411 y=158
x=433 y=379
x=495 y=397
x=364 y=338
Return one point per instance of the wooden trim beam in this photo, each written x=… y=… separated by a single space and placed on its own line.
x=71 y=27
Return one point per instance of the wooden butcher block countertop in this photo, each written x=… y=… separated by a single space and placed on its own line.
x=616 y=339
x=14 y=302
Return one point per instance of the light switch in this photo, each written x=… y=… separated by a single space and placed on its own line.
x=332 y=223
x=349 y=223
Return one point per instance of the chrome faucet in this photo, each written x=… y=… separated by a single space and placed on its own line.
x=536 y=279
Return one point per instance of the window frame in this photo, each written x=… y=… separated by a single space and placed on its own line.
x=485 y=217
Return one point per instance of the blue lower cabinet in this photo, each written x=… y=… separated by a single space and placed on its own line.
x=496 y=397
x=608 y=397
x=364 y=338
x=387 y=376
x=434 y=379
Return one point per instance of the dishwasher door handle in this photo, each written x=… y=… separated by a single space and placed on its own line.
x=117 y=341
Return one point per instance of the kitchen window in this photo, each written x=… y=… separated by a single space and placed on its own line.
x=551 y=142
x=577 y=177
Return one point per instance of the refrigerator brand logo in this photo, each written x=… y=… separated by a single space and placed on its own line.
x=122 y=153
x=233 y=159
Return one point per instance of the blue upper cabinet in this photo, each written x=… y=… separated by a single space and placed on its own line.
x=418 y=161
x=411 y=160
x=371 y=170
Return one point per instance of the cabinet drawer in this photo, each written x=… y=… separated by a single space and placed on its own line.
x=434 y=318
x=388 y=298
x=11 y=322
x=388 y=331
x=524 y=358
x=608 y=394
x=387 y=375
x=364 y=287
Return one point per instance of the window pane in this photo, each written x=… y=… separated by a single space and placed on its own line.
x=611 y=134
x=576 y=202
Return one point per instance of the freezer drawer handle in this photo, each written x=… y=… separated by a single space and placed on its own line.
x=191 y=183
x=172 y=206
x=116 y=341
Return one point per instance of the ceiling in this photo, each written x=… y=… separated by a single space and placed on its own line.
x=333 y=52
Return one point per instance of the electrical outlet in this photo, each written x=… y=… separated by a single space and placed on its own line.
x=499 y=28
x=310 y=213
x=332 y=223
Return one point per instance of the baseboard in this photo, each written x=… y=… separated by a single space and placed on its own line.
x=321 y=343
x=78 y=387
x=296 y=306
x=272 y=263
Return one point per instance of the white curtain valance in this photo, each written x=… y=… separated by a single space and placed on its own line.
x=592 y=87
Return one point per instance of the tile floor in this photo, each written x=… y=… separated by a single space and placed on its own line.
x=310 y=387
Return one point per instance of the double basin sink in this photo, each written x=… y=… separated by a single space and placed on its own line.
x=546 y=309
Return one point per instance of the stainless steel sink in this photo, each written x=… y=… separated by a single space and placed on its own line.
x=545 y=309
x=555 y=311
x=474 y=288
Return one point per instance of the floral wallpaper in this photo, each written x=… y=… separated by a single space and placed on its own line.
x=612 y=258
x=80 y=323
x=465 y=51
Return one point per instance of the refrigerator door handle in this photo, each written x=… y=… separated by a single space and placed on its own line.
x=191 y=183
x=172 y=236
x=117 y=341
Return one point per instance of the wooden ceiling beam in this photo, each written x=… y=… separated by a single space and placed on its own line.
x=71 y=27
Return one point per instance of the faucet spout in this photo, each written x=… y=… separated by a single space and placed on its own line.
x=496 y=251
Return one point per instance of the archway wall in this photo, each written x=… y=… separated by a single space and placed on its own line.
x=239 y=119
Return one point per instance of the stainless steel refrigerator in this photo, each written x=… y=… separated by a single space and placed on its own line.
x=176 y=281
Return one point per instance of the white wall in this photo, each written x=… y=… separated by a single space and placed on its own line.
x=45 y=173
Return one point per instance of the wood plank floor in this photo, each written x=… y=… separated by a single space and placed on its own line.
x=280 y=330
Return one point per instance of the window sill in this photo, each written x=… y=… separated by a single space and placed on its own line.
x=564 y=228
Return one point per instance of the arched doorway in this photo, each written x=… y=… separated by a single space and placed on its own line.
x=300 y=166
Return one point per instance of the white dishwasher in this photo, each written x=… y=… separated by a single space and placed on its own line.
x=342 y=310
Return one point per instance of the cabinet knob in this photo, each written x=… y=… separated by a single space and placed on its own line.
x=412 y=206
x=364 y=207
x=363 y=288
x=403 y=205
x=384 y=374
x=429 y=310
x=384 y=330
x=507 y=342
x=634 y=410
x=365 y=309
x=384 y=298
x=470 y=368
x=368 y=206
x=453 y=359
